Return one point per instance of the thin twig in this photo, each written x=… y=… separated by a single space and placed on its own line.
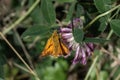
x=34 y=42
x=16 y=52
x=111 y=31
x=112 y=56
x=110 y=34
x=113 y=72
x=14 y=25
x=21 y=18
x=118 y=77
x=21 y=67
x=24 y=49
x=19 y=56
x=97 y=73
x=101 y=15
x=91 y=68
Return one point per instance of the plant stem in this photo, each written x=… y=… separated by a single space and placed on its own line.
x=21 y=18
x=111 y=31
x=101 y=15
x=16 y=52
x=19 y=56
x=21 y=67
x=14 y=25
x=91 y=68
x=110 y=34
x=24 y=49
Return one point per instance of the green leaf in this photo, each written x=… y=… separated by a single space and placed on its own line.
x=103 y=75
x=54 y=72
x=115 y=25
x=79 y=10
x=102 y=5
x=70 y=12
x=62 y=1
x=117 y=73
x=37 y=16
x=63 y=64
x=78 y=34
x=1 y=70
x=93 y=74
x=35 y=31
x=95 y=40
x=103 y=23
x=48 y=11
x=1 y=79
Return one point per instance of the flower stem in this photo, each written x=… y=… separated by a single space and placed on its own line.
x=111 y=31
x=19 y=56
x=99 y=16
x=21 y=18
x=110 y=34
x=91 y=68
x=16 y=52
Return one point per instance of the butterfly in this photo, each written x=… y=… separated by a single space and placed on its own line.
x=55 y=47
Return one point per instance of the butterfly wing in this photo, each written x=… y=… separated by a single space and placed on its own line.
x=65 y=50
x=60 y=48
x=48 y=48
x=55 y=47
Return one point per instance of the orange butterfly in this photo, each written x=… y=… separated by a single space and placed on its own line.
x=55 y=47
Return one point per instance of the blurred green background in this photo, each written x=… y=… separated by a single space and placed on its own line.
x=38 y=20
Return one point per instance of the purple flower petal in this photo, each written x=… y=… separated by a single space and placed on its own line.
x=91 y=46
x=70 y=45
x=67 y=35
x=70 y=39
x=75 y=23
x=77 y=55
x=83 y=60
x=70 y=25
x=75 y=45
x=65 y=30
x=88 y=51
x=84 y=50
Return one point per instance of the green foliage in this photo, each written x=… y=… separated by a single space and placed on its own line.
x=1 y=72
x=79 y=10
x=48 y=11
x=37 y=16
x=103 y=23
x=103 y=75
x=95 y=40
x=115 y=25
x=36 y=30
x=47 y=71
x=70 y=12
x=102 y=5
x=78 y=37
x=93 y=74
x=42 y=20
x=1 y=79
x=52 y=73
x=63 y=1
x=117 y=72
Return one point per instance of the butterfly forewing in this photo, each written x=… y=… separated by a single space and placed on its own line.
x=48 y=48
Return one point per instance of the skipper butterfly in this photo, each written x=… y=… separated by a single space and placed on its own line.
x=55 y=47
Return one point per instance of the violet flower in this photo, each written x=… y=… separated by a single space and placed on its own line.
x=83 y=50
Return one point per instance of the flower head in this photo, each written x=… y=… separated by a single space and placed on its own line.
x=83 y=50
